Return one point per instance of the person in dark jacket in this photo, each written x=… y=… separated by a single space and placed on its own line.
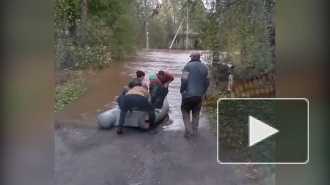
x=137 y=97
x=135 y=82
x=195 y=81
x=139 y=78
x=157 y=91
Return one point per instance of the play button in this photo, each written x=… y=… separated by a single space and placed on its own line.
x=259 y=131
x=262 y=131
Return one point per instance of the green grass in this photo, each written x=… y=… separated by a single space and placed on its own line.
x=68 y=93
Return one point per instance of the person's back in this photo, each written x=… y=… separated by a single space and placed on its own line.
x=121 y=96
x=196 y=82
x=137 y=98
x=139 y=90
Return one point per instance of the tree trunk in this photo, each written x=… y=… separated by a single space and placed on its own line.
x=73 y=31
x=84 y=22
x=174 y=13
x=268 y=10
x=71 y=17
x=216 y=53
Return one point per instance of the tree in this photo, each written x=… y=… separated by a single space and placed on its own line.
x=241 y=32
x=84 y=21
x=92 y=33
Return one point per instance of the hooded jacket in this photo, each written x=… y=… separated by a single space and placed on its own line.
x=195 y=79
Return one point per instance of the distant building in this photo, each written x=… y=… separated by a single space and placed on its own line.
x=193 y=41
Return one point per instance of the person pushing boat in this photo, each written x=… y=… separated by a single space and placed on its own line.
x=157 y=92
x=165 y=78
x=135 y=82
x=137 y=97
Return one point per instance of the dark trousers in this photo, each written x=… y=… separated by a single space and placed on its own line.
x=193 y=104
x=136 y=102
x=120 y=99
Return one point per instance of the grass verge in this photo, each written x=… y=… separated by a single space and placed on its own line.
x=68 y=91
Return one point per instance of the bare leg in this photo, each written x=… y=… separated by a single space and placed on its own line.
x=146 y=117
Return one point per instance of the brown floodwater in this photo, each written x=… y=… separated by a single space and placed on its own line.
x=105 y=85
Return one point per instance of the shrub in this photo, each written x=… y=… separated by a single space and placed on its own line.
x=66 y=94
x=70 y=56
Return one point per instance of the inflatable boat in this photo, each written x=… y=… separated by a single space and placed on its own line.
x=110 y=118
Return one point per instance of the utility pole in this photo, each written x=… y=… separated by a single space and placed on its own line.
x=176 y=33
x=147 y=34
x=147 y=23
x=187 y=38
x=84 y=21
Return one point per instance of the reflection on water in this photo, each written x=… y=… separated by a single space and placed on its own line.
x=107 y=85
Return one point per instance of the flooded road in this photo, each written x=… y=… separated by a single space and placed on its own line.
x=104 y=87
x=87 y=155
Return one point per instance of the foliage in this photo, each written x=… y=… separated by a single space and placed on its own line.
x=67 y=55
x=124 y=44
x=157 y=37
x=241 y=33
x=66 y=12
x=233 y=118
x=67 y=93
x=246 y=34
x=209 y=32
x=112 y=32
x=164 y=25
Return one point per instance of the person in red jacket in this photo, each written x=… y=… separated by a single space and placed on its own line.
x=165 y=78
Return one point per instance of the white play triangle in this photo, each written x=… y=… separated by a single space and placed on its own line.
x=259 y=131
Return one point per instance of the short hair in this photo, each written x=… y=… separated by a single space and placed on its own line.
x=139 y=74
x=161 y=73
x=139 y=84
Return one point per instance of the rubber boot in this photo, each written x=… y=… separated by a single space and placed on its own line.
x=153 y=131
x=120 y=130
x=195 y=133
x=187 y=134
